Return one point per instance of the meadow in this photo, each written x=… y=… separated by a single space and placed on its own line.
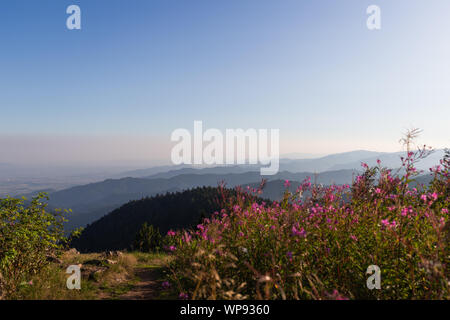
x=320 y=246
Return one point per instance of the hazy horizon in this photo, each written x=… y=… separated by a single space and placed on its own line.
x=112 y=164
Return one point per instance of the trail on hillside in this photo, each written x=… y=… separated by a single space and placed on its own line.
x=147 y=288
x=149 y=283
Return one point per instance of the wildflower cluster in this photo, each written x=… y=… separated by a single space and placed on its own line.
x=317 y=242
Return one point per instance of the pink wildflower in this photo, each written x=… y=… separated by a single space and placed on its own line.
x=289 y=255
x=183 y=296
x=301 y=233
x=404 y=212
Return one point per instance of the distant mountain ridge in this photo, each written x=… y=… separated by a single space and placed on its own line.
x=92 y=201
x=392 y=160
x=340 y=161
x=319 y=164
x=140 y=173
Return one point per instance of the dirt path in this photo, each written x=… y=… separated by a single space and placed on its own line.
x=148 y=286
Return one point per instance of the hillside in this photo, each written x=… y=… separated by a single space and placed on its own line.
x=116 y=231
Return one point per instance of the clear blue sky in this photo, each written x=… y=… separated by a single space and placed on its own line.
x=146 y=67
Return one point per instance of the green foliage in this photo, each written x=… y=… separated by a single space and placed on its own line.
x=75 y=234
x=29 y=235
x=318 y=242
x=148 y=239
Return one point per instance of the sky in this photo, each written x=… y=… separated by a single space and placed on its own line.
x=115 y=90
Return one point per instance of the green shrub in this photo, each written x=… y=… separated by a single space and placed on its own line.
x=148 y=239
x=29 y=236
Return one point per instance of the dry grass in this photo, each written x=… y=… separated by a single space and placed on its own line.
x=100 y=279
x=151 y=259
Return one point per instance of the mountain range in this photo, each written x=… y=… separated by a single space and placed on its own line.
x=90 y=202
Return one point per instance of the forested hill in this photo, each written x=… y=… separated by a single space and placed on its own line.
x=117 y=230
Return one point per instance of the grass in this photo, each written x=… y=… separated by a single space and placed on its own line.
x=155 y=259
x=118 y=290
x=113 y=281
